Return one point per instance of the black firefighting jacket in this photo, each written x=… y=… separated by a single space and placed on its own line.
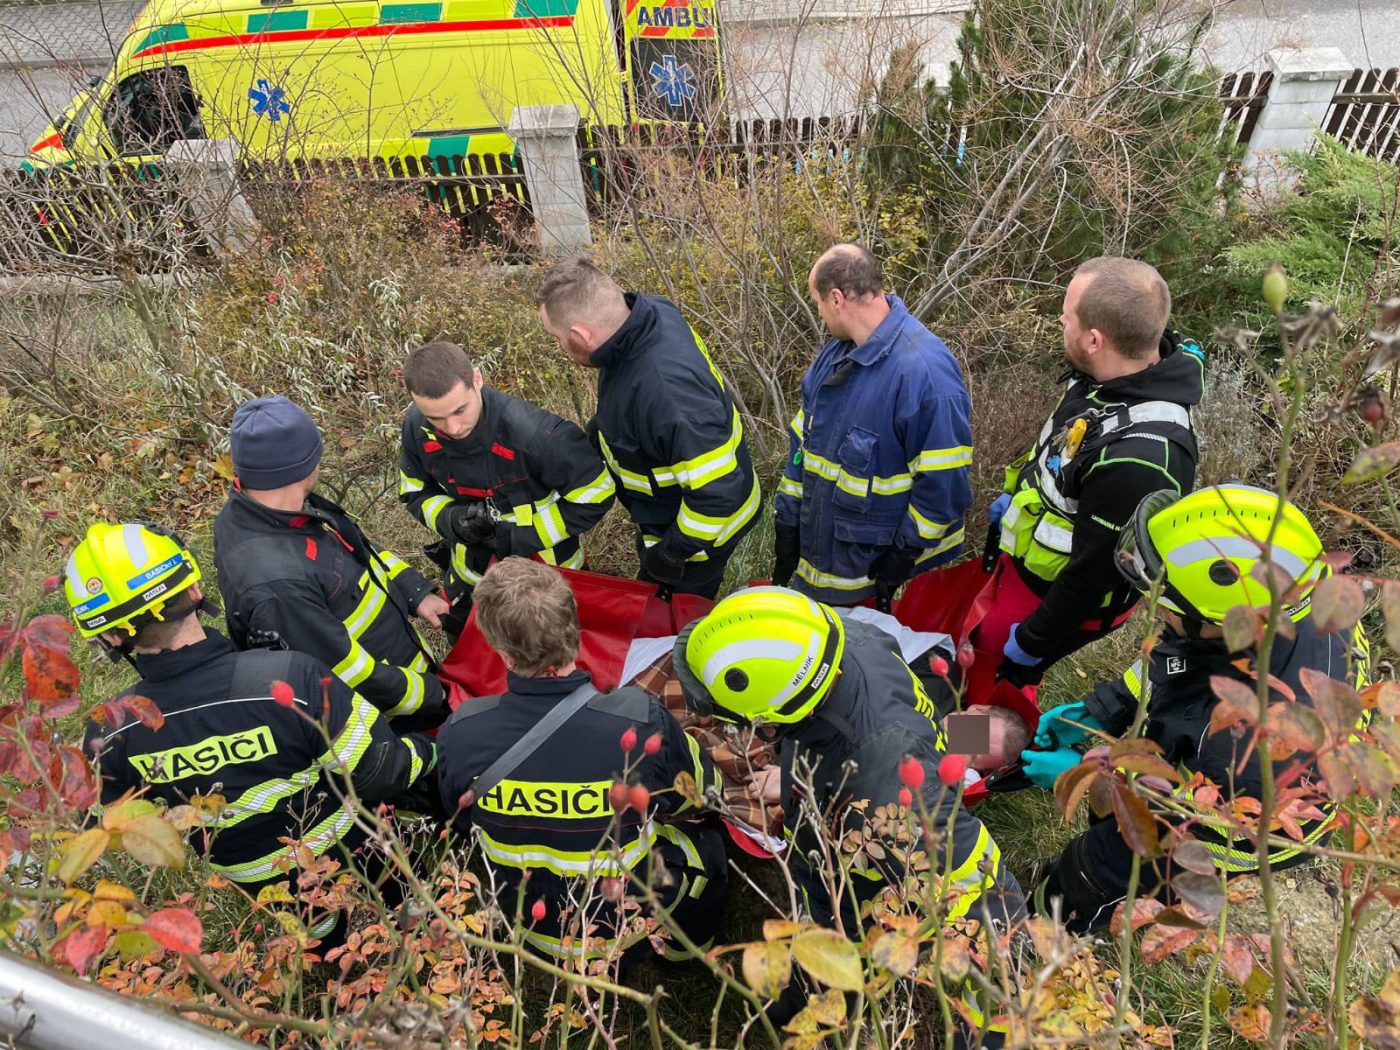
x=1069 y=505
x=552 y=816
x=314 y=579
x=1180 y=703
x=224 y=734
x=670 y=434
x=875 y=715
x=535 y=471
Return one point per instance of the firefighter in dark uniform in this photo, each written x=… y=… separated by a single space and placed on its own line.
x=551 y=815
x=1201 y=550
x=294 y=568
x=493 y=475
x=847 y=708
x=666 y=424
x=280 y=761
x=1122 y=429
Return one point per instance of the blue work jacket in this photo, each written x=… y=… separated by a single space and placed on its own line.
x=881 y=450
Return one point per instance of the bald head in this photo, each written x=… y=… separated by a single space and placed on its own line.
x=850 y=269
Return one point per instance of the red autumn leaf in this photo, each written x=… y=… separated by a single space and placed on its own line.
x=1145 y=911
x=1204 y=893
x=177 y=929
x=82 y=946
x=59 y=708
x=1336 y=703
x=1162 y=942
x=77 y=785
x=1251 y=1022
x=1135 y=822
x=145 y=710
x=1191 y=855
x=1236 y=702
x=1070 y=788
x=1242 y=628
x=49 y=674
x=48 y=632
x=1337 y=603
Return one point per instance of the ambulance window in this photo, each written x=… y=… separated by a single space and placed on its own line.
x=152 y=110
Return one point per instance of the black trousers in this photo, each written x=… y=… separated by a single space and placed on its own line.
x=701 y=577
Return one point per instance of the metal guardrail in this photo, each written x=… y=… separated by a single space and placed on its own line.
x=44 y=1010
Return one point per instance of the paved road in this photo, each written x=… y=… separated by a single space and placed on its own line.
x=1367 y=31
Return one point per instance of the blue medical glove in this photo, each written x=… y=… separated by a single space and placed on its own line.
x=998 y=509
x=1012 y=650
x=1043 y=768
x=1054 y=729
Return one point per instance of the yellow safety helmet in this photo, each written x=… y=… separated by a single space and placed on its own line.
x=1203 y=546
x=122 y=573
x=766 y=653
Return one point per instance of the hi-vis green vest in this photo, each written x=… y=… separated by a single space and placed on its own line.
x=1038 y=527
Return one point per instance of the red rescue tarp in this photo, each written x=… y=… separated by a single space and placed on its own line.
x=612 y=612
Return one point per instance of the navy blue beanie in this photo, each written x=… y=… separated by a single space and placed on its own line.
x=273 y=442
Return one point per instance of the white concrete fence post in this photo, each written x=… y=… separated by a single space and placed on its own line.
x=207 y=170
x=1305 y=80
x=547 y=137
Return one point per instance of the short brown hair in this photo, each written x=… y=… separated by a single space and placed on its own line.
x=435 y=368
x=528 y=614
x=850 y=267
x=1127 y=301
x=575 y=289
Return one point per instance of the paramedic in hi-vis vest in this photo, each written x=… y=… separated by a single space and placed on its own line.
x=1122 y=430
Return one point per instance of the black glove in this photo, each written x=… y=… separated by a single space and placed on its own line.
x=893 y=565
x=661 y=566
x=471 y=523
x=787 y=543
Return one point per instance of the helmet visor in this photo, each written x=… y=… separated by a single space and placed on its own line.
x=1135 y=554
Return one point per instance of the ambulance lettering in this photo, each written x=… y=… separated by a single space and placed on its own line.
x=674 y=17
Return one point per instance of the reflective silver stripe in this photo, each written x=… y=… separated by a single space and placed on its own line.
x=1056 y=537
x=135 y=544
x=1149 y=412
x=1235 y=547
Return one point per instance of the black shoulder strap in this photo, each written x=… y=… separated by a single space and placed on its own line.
x=256 y=670
x=531 y=742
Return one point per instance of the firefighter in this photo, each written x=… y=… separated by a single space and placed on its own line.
x=1121 y=430
x=294 y=569
x=492 y=474
x=876 y=486
x=549 y=813
x=666 y=425
x=280 y=762
x=845 y=711
x=1201 y=550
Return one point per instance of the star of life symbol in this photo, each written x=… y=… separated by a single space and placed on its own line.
x=674 y=81
x=268 y=101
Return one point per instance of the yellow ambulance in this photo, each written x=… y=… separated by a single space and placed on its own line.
x=433 y=81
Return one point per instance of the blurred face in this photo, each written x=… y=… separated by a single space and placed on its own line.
x=831 y=310
x=456 y=413
x=575 y=340
x=1079 y=342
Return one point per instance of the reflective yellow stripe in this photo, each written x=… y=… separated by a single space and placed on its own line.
x=432 y=507
x=953 y=539
x=574 y=561
x=673 y=834
x=930 y=529
x=824 y=579
x=788 y=487
x=412 y=695
x=415 y=766
x=941 y=459
x=459 y=566
x=892 y=485
x=740 y=518
x=797 y=423
x=596 y=491
x=367 y=610
x=571 y=862
x=821 y=467
x=584 y=948
x=858 y=487
x=396 y=565
x=355 y=667
x=1135 y=677
x=699 y=471
x=408 y=485
x=702 y=527
x=968 y=878
x=630 y=479
x=548 y=522
x=321 y=838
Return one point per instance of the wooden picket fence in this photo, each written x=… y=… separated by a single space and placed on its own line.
x=1365 y=114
